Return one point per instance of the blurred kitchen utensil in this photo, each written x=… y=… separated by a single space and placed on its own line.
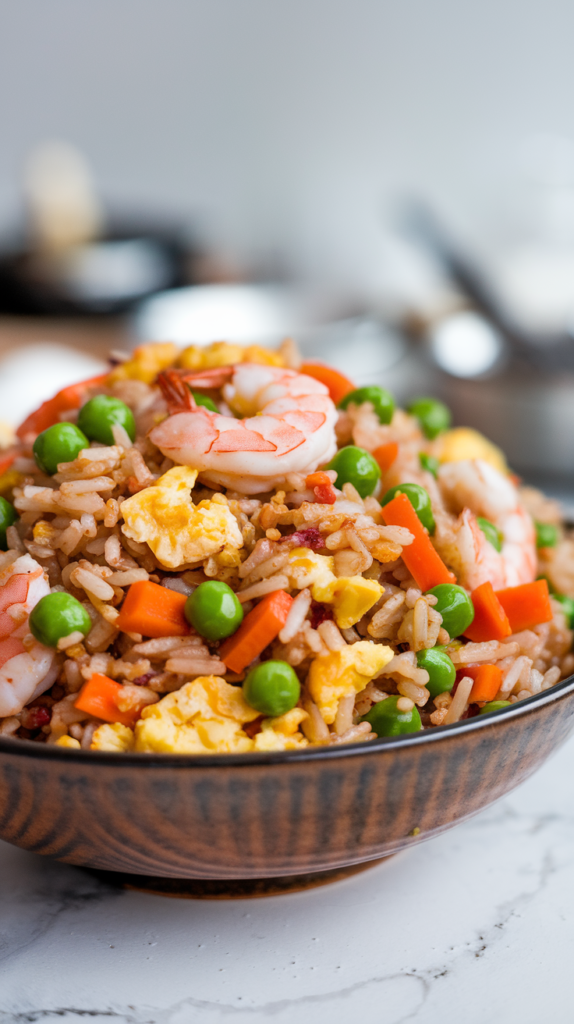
x=514 y=385
x=77 y=259
x=359 y=345
x=548 y=349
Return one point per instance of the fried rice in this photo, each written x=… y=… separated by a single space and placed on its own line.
x=96 y=528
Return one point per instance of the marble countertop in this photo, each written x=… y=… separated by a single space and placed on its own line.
x=476 y=926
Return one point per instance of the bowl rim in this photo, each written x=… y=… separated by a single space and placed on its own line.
x=29 y=748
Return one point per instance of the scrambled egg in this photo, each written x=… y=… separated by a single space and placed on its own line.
x=345 y=672
x=146 y=362
x=466 y=443
x=69 y=742
x=223 y=353
x=205 y=717
x=350 y=596
x=176 y=530
x=282 y=733
x=115 y=737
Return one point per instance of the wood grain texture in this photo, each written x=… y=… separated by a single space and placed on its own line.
x=268 y=815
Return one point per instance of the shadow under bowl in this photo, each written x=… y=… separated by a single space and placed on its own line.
x=250 y=816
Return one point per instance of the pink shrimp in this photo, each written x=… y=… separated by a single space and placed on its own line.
x=289 y=426
x=27 y=668
x=472 y=487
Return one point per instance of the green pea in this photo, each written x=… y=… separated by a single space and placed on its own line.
x=567 y=607
x=419 y=499
x=430 y=463
x=455 y=606
x=61 y=443
x=100 y=414
x=440 y=668
x=204 y=400
x=433 y=416
x=214 y=610
x=56 y=616
x=494 y=705
x=272 y=688
x=546 y=535
x=357 y=467
x=386 y=720
x=491 y=532
x=381 y=400
x=8 y=517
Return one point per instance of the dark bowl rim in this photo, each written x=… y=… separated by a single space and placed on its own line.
x=28 y=748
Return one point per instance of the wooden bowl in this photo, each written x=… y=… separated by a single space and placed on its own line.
x=252 y=816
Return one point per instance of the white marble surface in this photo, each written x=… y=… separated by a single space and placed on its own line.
x=474 y=927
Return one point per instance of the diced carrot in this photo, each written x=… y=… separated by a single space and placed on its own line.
x=420 y=558
x=99 y=697
x=490 y=619
x=49 y=412
x=526 y=605
x=386 y=454
x=336 y=382
x=6 y=461
x=153 y=611
x=487 y=681
x=322 y=487
x=257 y=630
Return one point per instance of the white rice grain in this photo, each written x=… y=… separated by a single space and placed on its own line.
x=125 y=579
x=492 y=650
x=331 y=635
x=121 y=436
x=512 y=675
x=92 y=584
x=418 y=694
x=344 y=716
x=161 y=646
x=267 y=568
x=261 y=552
x=264 y=587
x=68 y=641
x=296 y=617
x=196 y=666
x=459 y=701
x=420 y=623
x=98 y=483
x=314 y=727
x=551 y=677
x=356 y=734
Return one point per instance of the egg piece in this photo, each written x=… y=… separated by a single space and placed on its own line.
x=69 y=742
x=345 y=672
x=308 y=569
x=115 y=737
x=466 y=443
x=146 y=362
x=224 y=353
x=204 y=717
x=282 y=733
x=351 y=596
x=176 y=530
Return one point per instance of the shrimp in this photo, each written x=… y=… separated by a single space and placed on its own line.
x=289 y=426
x=472 y=487
x=27 y=668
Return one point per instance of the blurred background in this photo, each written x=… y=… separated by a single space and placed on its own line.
x=391 y=182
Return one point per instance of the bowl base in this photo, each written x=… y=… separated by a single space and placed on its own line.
x=232 y=888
